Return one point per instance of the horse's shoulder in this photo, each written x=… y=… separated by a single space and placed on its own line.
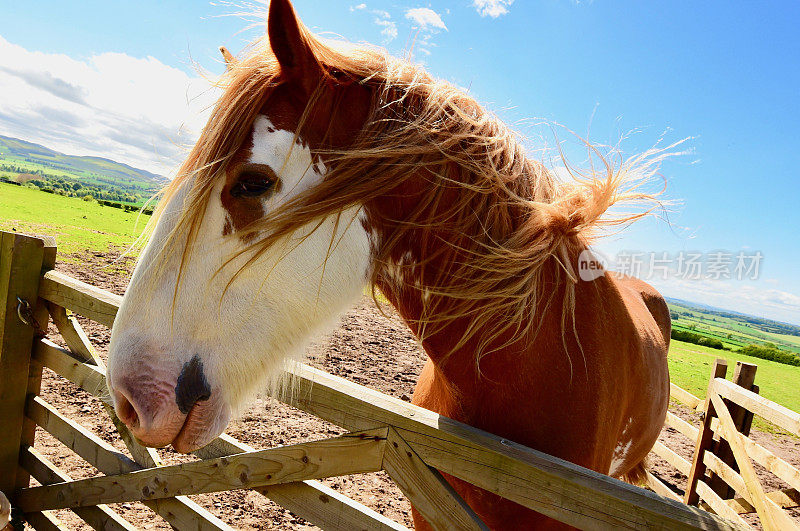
x=654 y=302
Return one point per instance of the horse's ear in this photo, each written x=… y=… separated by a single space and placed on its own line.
x=289 y=42
x=230 y=60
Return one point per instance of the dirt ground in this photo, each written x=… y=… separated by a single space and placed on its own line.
x=367 y=348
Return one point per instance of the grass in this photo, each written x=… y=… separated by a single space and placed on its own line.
x=733 y=332
x=690 y=368
x=783 y=338
x=77 y=225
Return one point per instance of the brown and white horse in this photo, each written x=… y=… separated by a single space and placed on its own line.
x=326 y=167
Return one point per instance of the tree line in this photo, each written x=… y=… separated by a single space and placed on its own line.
x=769 y=351
x=86 y=197
x=70 y=187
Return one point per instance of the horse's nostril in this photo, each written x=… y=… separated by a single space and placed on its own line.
x=126 y=412
x=192 y=385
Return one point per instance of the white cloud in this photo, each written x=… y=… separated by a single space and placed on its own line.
x=133 y=110
x=427 y=22
x=425 y=18
x=492 y=8
x=383 y=19
x=389 y=30
x=738 y=296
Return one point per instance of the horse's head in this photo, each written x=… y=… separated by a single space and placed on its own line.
x=217 y=303
x=325 y=166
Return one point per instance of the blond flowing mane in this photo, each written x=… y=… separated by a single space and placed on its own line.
x=502 y=220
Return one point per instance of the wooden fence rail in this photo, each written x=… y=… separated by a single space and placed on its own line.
x=720 y=475
x=410 y=443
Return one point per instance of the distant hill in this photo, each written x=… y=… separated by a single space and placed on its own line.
x=49 y=157
x=37 y=165
x=788 y=328
x=734 y=330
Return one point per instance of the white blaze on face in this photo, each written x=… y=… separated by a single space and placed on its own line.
x=268 y=314
x=290 y=159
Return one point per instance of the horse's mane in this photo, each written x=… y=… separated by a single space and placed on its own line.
x=515 y=221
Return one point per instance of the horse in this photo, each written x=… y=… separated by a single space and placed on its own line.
x=327 y=167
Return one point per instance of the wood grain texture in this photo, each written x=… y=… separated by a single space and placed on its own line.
x=181 y=512
x=682 y=395
x=83 y=442
x=680 y=425
x=705 y=436
x=779 y=415
x=785 y=498
x=41 y=316
x=74 y=336
x=726 y=473
x=310 y=499
x=429 y=493
x=773 y=463
x=353 y=453
x=663 y=451
x=99 y=517
x=771 y=516
x=718 y=505
x=554 y=487
x=21 y=259
x=660 y=488
x=85 y=375
x=743 y=375
x=84 y=299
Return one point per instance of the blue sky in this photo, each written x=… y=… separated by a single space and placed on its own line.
x=724 y=74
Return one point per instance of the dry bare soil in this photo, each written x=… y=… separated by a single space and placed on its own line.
x=367 y=348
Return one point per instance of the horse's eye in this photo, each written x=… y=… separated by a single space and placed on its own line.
x=251 y=184
x=336 y=74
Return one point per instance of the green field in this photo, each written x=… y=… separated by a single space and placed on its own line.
x=77 y=225
x=76 y=176
x=690 y=368
x=733 y=330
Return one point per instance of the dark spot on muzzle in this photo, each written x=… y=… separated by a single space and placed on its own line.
x=192 y=385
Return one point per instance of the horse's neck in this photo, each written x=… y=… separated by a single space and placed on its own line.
x=404 y=285
x=403 y=278
x=475 y=391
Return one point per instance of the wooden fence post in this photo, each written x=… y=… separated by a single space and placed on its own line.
x=704 y=437
x=42 y=316
x=744 y=375
x=21 y=259
x=747 y=423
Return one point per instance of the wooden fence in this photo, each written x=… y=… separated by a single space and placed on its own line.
x=720 y=476
x=410 y=443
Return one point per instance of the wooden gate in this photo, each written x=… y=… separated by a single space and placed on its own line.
x=720 y=475
x=410 y=443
